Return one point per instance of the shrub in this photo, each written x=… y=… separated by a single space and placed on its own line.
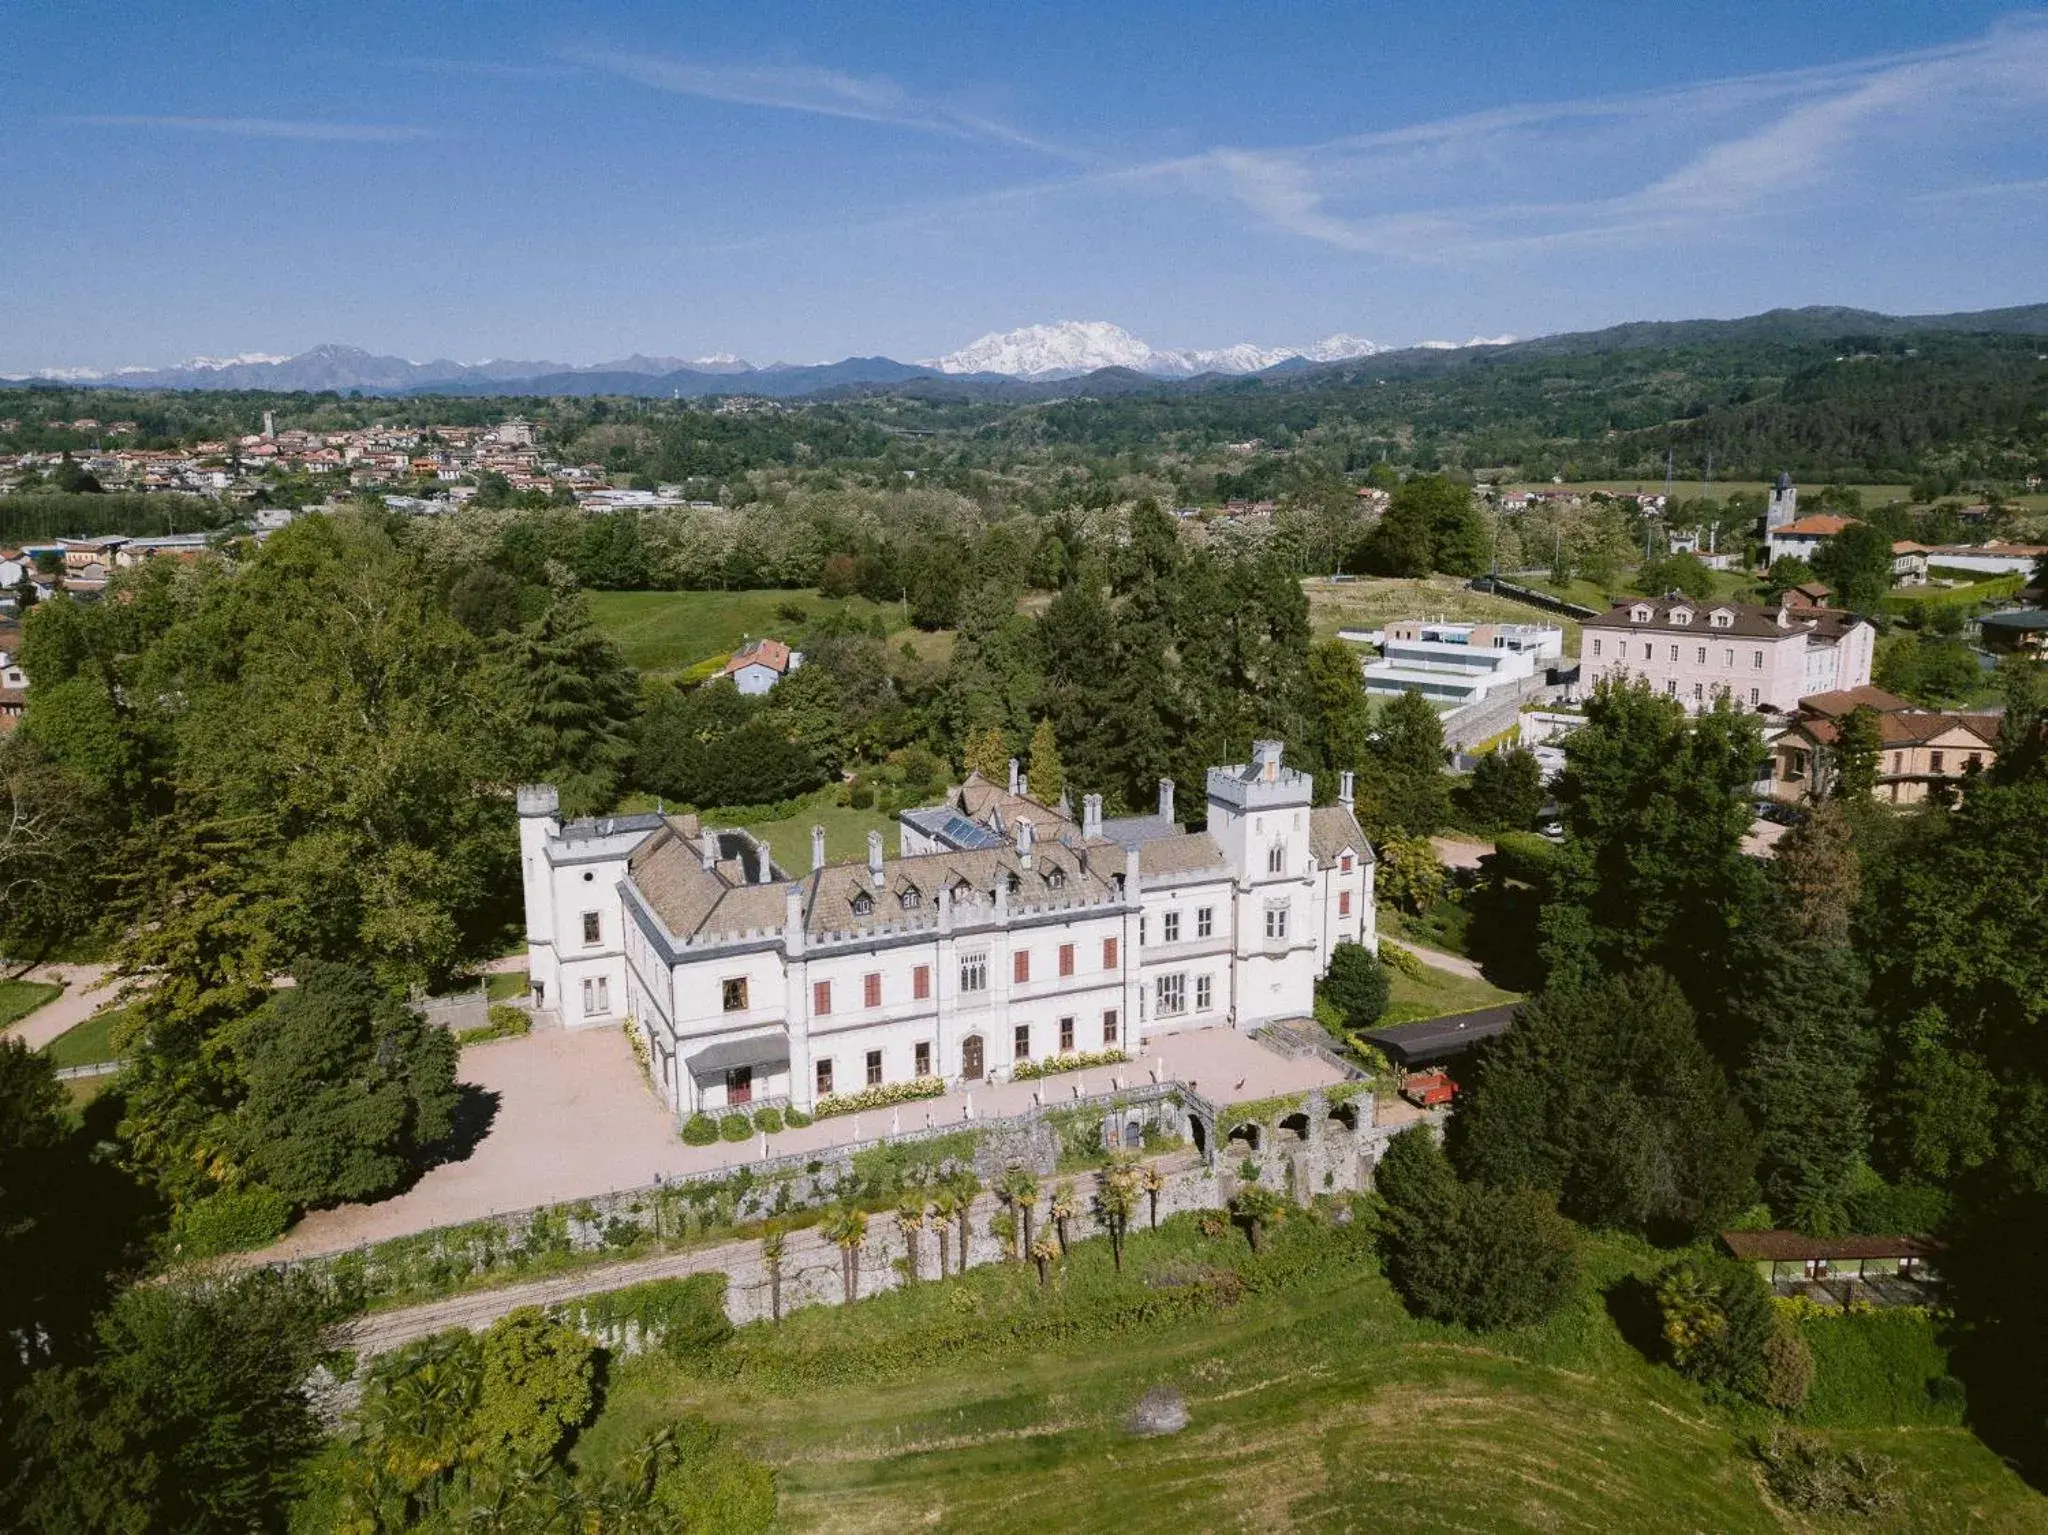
x=1401 y=962
x=704 y=1486
x=506 y=1022
x=700 y=1130
x=231 y=1222
x=1805 y=1473
x=736 y=1127
x=879 y=1097
x=1357 y=986
x=1053 y=1065
x=769 y=1121
x=534 y=1387
x=863 y=796
x=795 y=1118
x=1718 y=1323
x=1788 y=1369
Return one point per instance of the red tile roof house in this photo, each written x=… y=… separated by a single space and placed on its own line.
x=1801 y=538
x=1921 y=748
x=759 y=664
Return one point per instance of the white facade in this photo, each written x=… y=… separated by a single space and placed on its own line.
x=1004 y=932
x=1453 y=664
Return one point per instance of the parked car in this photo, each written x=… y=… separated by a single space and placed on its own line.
x=1779 y=812
x=1429 y=1089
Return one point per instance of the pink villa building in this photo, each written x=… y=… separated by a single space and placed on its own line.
x=1762 y=658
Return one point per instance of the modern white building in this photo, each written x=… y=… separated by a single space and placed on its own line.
x=1003 y=932
x=1453 y=664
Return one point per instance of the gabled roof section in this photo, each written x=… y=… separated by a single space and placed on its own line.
x=1332 y=829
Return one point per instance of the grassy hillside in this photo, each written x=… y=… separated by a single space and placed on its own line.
x=983 y=1403
x=670 y=631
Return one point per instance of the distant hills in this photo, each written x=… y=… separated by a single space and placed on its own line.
x=1069 y=357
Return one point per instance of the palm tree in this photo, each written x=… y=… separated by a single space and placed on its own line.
x=945 y=1205
x=1062 y=1210
x=1154 y=1183
x=773 y=1244
x=1043 y=1252
x=967 y=1189
x=1020 y=1188
x=1116 y=1200
x=1257 y=1208
x=910 y=1221
x=849 y=1228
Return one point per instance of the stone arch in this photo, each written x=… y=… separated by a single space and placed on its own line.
x=1199 y=1134
x=1245 y=1136
x=1345 y=1116
x=1294 y=1126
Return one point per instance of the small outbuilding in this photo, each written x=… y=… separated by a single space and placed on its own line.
x=1791 y=1260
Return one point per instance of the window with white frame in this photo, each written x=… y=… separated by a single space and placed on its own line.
x=1172 y=996
x=1276 y=858
x=974 y=972
x=593 y=929
x=1276 y=921
x=1205 y=992
x=1169 y=927
x=597 y=997
x=1205 y=922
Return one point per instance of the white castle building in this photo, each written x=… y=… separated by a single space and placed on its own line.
x=1003 y=932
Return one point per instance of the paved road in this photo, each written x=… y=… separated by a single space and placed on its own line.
x=87 y=989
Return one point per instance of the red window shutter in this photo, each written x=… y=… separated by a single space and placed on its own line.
x=874 y=989
x=1344 y=903
x=921 y=982
x=821 y=996
x=1109 y=953
x=1066 y=959
x=1020 y=965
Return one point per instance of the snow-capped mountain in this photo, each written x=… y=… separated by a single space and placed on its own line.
x=1073 y=347
x=1452 y=346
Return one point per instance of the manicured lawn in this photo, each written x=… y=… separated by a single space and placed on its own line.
x=1370 y=602
x=90 y=1042
x=1437 y=994
x=20 y=998
x=846 y=831
x=1315 y=1402
x=671 y=631
x=505 y=986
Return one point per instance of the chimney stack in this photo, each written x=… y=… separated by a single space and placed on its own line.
x=1024 y=840
x=1346 y=782
x=1266 y=756
x=1166 y=798
x=707 y=849
x=1016 y=777
x=793 y=918
x=875 y=859
x=1091 y=815
x=767 y=863
x=817 y=848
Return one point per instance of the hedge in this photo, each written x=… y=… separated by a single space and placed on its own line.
x=879 y=1097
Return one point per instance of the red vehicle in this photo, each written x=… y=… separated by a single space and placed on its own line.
x=1430 y=1089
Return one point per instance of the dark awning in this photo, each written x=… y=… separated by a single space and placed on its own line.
x=763 y=1050
x=1436 y=1039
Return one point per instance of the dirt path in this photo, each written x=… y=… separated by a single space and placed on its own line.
x=1437 y=959
x=87 y=989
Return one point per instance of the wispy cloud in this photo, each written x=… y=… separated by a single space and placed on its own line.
x=261 y=128
x=1660 y=163
x=809 y=88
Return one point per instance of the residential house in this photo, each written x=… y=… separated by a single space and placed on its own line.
x=1920 y=749
x=1759 y=657
x=758 y=665
x=1996 y=558
x=1801 y=538
x=1909 y=563
x=1003 y=932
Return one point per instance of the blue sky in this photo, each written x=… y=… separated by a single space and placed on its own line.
x=807 y=181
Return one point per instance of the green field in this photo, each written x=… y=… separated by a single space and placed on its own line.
x=1437 y=994
x=89 y=1043
x=983 y=1403
x=20 y=998
x=671 y=631
x=1370 y=602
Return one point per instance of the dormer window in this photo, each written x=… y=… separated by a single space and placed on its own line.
x=863 y=905
x=1721 y=618
x=1640 y=614
x=1015 y=883
x=1056 y=878
x=909 y=899
x=1681 y=615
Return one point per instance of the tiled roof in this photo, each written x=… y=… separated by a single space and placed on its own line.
x=1183 y=854
x=1796 y=1247
x=1331 y=829
x=1840 y=702
x=769 y=653
x=1748 y=621
x=1912 y=727
x=1818 y=525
